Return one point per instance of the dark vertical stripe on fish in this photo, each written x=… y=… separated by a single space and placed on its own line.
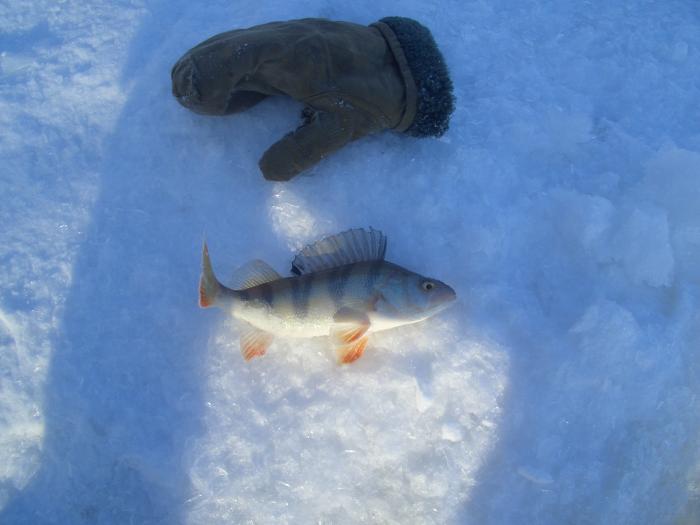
x=265 y=293
x=301 y=295
x=375 y=270
x=337 y=285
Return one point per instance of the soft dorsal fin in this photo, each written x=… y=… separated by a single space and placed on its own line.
x=337 y=250
x=253 y=273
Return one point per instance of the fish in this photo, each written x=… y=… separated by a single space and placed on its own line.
x=342 y=287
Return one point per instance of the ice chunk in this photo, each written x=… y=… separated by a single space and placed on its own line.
x=606 y=326
x=672 y=182
x=580 y=218
x=641 y=243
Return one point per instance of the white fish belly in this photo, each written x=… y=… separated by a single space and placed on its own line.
x=287 y=325
x=379 y=322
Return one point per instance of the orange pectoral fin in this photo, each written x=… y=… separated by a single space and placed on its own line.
x=349 y=334
x=254 y=343
x=350 y=325
x=351 y=352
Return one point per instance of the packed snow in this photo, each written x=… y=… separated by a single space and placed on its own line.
x=562 y=206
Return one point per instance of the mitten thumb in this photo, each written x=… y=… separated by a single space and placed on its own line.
x=323 y=133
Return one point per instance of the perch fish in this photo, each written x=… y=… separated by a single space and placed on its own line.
x=343 y=288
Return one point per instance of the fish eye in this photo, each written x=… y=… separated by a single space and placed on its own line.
x=427 y=286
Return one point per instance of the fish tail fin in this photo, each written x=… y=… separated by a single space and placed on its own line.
x=209 y=286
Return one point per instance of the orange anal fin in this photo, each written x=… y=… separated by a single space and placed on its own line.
x=351 y=352
x=254 y=343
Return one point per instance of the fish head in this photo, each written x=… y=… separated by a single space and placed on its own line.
x=412 y=297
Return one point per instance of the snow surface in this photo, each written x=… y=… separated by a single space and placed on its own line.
x=562 y=206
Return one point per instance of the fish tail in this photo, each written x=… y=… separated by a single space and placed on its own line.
x=209 y=287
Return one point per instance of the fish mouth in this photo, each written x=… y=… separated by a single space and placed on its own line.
x=446 y=296
x=445 y=299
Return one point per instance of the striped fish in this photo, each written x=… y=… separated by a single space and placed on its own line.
x=343 y=288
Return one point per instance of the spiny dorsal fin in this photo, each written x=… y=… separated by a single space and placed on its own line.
x=252 y=274
x=337 y=250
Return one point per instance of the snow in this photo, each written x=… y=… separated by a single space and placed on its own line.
x=562 y=206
